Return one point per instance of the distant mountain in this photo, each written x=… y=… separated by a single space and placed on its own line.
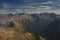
x=40 y=25
x=31 y=26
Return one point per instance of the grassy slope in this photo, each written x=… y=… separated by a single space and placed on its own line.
x=6 y=33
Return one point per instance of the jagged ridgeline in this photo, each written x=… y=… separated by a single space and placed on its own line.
x=44 y=26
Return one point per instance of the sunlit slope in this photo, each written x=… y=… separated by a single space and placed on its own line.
x=17 y=32
x=20 y=33
x=6 y=33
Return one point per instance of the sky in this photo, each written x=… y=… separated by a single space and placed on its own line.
x=30 y=6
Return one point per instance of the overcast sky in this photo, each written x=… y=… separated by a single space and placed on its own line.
x=30 y=6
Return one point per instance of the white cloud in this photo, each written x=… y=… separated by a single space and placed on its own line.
x=48 y=2
x=44 y=7
x=57 y=11
x=28 y=6
x=5 y=12
x=17 y=11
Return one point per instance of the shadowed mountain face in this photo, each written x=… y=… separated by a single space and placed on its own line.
x=51 y=31
x=34 y=26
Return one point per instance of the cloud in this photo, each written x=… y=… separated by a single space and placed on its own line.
x=54 y=11
x=39 y=11
x=5 y=12
x=18 y=10
x=47 y=2
x=44 y=7
x=29 y=5
x=5 y=5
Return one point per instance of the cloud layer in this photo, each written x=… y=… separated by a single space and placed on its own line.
x=30 y=5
